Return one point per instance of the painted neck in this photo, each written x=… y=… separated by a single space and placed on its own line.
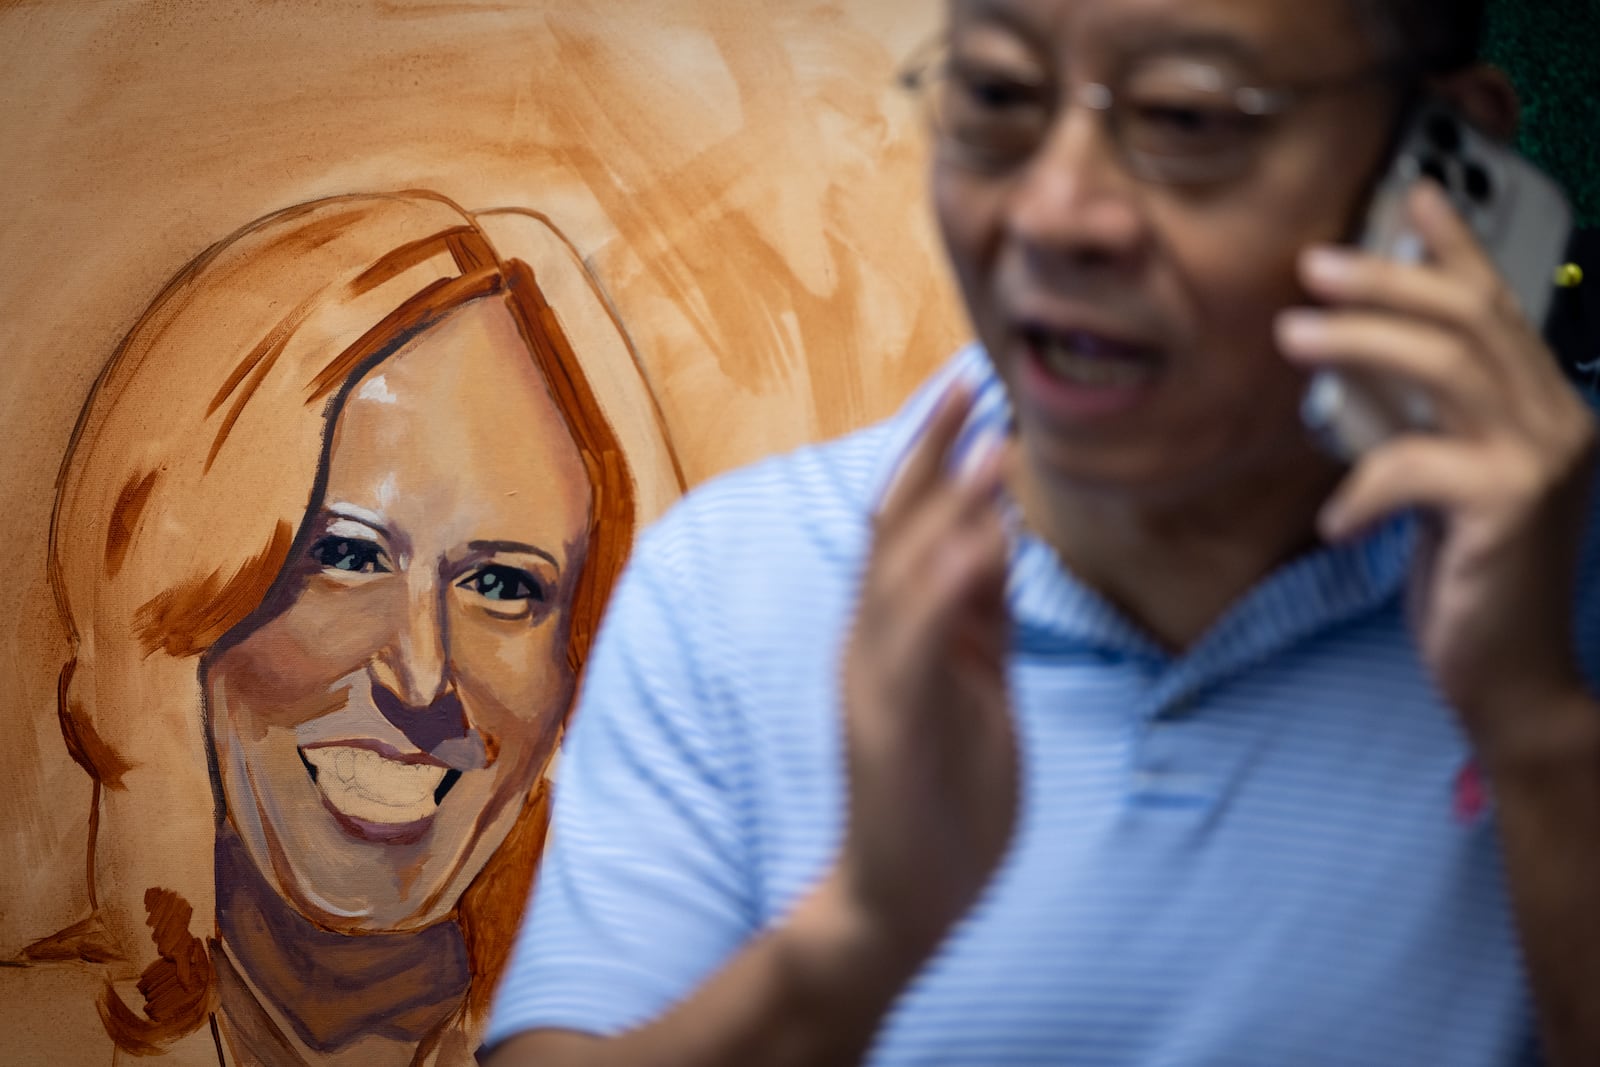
x=330 y=989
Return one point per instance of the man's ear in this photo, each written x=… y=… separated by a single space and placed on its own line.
x=1485 y=96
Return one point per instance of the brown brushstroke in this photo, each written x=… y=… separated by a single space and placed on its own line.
x=190 y=619
x=249 y=1025
x=612 y=514
x=270 y=344
x=167 y=307
x=253 y=370
x=491 y=907
x=603 y=298
x=393 y=264
x=424 y=309
x=125 y=515
x=84 y=745
x=471 y=252
x=216 y=1033
x=177 y=988
x=256 y=365
x=704 y=242
x=85 y=941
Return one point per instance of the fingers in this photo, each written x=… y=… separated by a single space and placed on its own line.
x=1498 y=359
x=1454 y=246
x=942 y=547
x=1415 y=350
x=1425 y=472
x=923 y=468
x=934 y=592
x=1346 y=277
x=937 y=579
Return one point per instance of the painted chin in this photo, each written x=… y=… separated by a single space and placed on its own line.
x=377 y=795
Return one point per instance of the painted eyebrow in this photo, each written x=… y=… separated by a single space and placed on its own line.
x=359 y=514
x=513 y=546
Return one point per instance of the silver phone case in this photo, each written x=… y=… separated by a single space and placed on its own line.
x=1520 y=216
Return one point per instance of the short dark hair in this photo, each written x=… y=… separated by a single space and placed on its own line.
x=1437 y=36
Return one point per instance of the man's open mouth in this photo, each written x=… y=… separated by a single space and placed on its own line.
x=376 y=788
x=1091 y=360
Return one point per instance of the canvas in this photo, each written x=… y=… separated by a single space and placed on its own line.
x=347 y=348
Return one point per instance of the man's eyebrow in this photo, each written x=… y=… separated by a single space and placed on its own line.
x=1004 y=14
x=1133 y=42
x=513 y=546
x=1146 y=40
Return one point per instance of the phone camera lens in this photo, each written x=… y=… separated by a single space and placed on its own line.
x=1479 y=187
x=1444 y=134
x=1434 y=167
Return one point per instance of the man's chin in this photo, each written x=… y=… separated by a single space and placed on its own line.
x=1136 y=470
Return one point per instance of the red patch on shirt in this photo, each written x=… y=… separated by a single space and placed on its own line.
x=1472 y=796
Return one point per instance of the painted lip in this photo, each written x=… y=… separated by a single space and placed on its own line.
x=383 y=749
x=387 y=833
x=1068 y=401
x=405 y=833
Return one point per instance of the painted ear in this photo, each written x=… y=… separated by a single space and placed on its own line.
x=179 y=988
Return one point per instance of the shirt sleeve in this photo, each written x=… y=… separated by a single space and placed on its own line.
x=645 y=889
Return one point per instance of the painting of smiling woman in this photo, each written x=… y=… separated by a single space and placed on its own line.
x=332 y=538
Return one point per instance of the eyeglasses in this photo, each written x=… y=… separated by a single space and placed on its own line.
x=1175 y=120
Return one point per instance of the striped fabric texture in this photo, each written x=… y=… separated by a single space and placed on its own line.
x=1269 y=850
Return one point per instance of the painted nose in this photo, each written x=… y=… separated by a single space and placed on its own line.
x=415 y=666
x=430 y=727
x=414 y=685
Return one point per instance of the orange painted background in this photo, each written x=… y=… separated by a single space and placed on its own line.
x=741 y=179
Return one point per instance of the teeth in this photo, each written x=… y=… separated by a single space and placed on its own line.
x=1081 y=365
x=365 y=785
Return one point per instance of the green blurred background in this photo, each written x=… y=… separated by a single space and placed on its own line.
x=1551 y=49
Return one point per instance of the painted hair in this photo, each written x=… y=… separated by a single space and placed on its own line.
x=188 y=485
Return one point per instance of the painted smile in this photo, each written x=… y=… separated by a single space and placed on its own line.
x=376 y=793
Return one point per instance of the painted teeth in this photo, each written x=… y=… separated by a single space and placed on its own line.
x=366 y=785
x=1070 y=363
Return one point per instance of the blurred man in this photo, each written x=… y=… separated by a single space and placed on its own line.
x=1085 y=713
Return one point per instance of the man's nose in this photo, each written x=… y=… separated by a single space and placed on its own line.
x=1074 y=203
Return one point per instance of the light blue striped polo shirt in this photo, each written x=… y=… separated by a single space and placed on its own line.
x=1252 y=854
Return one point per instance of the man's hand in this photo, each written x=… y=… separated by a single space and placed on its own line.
x=1503 y=484
x=931 y=748
x=1503 y=487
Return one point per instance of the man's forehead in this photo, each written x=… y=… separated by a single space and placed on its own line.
x=1249 y=30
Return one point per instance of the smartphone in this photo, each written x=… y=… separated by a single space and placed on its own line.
x=1520 y=216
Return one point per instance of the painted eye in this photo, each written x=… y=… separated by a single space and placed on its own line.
x=498 y=582
x=349 y=554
